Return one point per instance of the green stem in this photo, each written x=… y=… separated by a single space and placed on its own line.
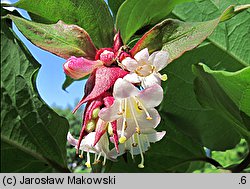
x=239 y=168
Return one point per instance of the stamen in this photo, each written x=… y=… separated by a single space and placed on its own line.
x=88 y=160
x=99 y=155
x=131 y=149
x=121 y=108
x=142 y=107
x=104 y=160
x=138 y=130
x=163 y=77
x=81 y=155
x=133 y=114
x=134 y=144
x=141 y=165
x=95 y=157
x=122 y=139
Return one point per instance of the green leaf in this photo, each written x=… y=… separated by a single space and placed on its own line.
x=218 y=90
x=232 y=36
x=68 y=81
x=181 y=106
x=177 y=37
x=91 y=15
x=135 y=14
x=176 y=152
x=60 y=39
x=114 y=6
x=33 y=136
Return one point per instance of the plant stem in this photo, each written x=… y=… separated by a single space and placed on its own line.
x=213 y=162
x=242 y=165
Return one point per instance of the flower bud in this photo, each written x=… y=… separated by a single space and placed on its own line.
x=110 y=129
x=90 y=126
x=77 y=68
x=107 y=57
x=95 y=113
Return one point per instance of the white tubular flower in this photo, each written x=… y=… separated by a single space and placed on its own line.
x=135 y=114
x=100 y=149
x=138 y=144
x=145 y=69
x=133 y=109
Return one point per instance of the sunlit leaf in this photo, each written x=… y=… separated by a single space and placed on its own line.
x=177 y=37
x=60 y=39
x=135 y=14
x=91 y=15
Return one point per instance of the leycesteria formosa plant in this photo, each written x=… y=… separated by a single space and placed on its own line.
x=120 y=97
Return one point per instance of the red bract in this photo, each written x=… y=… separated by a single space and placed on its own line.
x=104 y=71
x=101 y=80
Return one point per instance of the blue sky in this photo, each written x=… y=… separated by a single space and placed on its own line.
x=51 y=75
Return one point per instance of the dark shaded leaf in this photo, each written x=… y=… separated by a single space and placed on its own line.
x=33 y=136
x=114 y=6
x=227 y=93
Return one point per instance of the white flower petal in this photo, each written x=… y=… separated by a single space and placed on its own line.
x=123 y=89
x=130 y=129
x=71 y=140
x=88 y=140
x=142 y=56
x=113 y=153
x=144 y=123
x=154 y=137
x=159 y=59
x=150 y=80
x=110 y=114
x=132 y=78
x=130 y=64
x=152 y=96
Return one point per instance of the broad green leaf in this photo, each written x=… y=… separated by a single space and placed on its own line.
x=33 y=136
x=176 y=152
x=114 y=6
x=177 y=37
x=232 y=36
x=60 y=39
x=218 y=90
x=91 y=15
x=236 y=85
x=181 y=106
x=135 y=14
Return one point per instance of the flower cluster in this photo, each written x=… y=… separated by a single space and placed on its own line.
x=121 y=94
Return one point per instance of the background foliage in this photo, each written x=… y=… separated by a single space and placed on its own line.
x=205 y=110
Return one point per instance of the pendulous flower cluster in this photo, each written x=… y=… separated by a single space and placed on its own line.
x=121 y=94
